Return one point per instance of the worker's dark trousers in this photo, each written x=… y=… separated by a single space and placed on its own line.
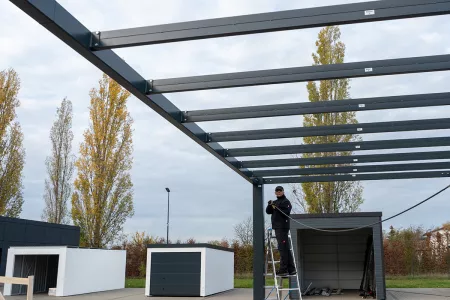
x=286 y=263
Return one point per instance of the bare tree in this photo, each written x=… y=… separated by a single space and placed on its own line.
x=60 y=166
x=244 y=232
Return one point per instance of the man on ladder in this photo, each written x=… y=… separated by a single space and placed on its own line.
x=281 y=225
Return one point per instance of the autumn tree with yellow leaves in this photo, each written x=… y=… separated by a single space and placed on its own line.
x=103 y=196
x=60 y=167
x=329 y=197
x=12 y=153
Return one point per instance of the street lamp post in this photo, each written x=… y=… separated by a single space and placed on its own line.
x=168 y=199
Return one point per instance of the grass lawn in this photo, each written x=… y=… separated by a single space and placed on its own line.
x=438 y=281
x=239 y=282
x=246 y=281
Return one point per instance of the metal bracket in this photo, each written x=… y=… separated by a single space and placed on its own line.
x=95 y=40
x=184 y=117
x=149 y=86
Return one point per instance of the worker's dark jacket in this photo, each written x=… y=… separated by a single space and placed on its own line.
x=280 y=221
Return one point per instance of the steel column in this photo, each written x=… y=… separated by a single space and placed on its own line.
x=303 y=74
x=258 y=242
x=295 y=109
x=269 y=22
x=357 y=177
x=338 y=147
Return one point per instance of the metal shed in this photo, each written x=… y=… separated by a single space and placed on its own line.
x=336 y=259
x=19 y=232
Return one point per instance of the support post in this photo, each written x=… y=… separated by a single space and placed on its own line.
x=258 y=242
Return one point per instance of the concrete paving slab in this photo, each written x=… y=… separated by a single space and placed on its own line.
x=246 y=294
x=428 y=294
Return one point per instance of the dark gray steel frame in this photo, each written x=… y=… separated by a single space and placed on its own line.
x=295 y=109
x=302 y=74
x=57 y=20
x=269 y=22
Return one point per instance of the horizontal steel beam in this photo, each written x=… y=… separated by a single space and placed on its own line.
x=353 y=169
x=356 y=177
x=351 y=159
x=269 y=22
x=51 y=15
x=303 y=74
x=339 y=147
x=294 y=109
x=362 y=128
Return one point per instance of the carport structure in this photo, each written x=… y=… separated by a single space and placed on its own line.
x=97 y=47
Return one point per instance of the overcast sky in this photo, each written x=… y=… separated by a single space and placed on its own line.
x=207 y=197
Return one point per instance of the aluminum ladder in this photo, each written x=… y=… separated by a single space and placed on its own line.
x=278 y=281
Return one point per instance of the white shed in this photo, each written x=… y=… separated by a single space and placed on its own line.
x=68 y=270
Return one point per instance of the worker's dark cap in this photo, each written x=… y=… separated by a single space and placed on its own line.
x=279 y=188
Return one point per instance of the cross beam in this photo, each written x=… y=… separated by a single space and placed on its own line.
x=302 y=74
x=353 y=169
x=270 y=22
x=339 y=147
x=296 y=109
x=357 y=177
x=361 y=128
x=350 y=159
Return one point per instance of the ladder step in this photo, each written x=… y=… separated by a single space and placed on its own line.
x=287 y=275
x=268 y=274
x=293 y=289
x=275 y=262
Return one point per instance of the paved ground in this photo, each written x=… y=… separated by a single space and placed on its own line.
x=246 y=294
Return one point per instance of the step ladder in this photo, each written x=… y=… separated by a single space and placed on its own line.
x=270 y=271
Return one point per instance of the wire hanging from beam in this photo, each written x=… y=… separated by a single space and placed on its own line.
x=369 y=225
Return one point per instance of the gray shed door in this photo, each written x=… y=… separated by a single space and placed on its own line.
x=175 y=274
x=334 y=260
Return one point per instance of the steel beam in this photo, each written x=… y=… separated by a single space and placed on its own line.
x=357 y=177
x=295 y=109
x=351 y=159
x=339 y=147
x=58 y=21
x=353 y=169
x=362 y=128
x=303 y=74
x=270 y=22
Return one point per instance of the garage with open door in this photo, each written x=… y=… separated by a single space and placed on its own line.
x=336 y=255
x=66 y=271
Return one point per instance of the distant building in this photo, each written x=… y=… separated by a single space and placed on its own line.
x=439 y=236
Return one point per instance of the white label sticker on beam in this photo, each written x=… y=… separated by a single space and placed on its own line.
x=357 y=146
x=368 y=70
x=355 y=159
x=355 y=170
x=361 y=105
x=370 y=12
x=359 y=129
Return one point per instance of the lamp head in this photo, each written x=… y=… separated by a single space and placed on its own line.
x=167 y=189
